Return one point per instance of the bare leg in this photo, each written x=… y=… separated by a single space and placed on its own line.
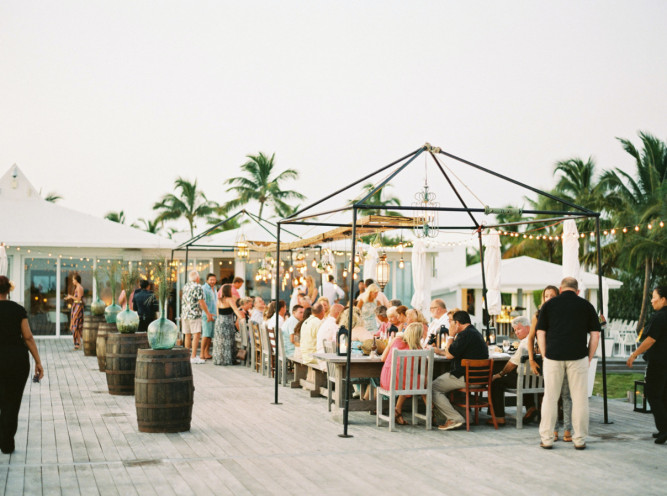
x=188 y=341
x=195 y=343
x=205 y=346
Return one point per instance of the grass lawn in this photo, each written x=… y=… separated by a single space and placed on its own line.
x=617 y=384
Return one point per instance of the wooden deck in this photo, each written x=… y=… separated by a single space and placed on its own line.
x=75 y=438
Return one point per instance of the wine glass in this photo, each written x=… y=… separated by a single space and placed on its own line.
x=506 y=346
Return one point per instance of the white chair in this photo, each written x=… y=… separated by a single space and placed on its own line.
x=630 y=342
x=282 y=360
x=268 y=350
x=331 y=373
x=526 y=383
x=243 y=341
x=411 y=375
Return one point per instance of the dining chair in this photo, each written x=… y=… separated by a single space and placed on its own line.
x=411 y=375
x=478 y=376
x=257 y=347
x=526 y=383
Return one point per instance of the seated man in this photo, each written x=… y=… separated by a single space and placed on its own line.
x=257 y=313
x=465 y=342
x=288 y=329
x=309 y=330
x=507 y=377
x=329 y=328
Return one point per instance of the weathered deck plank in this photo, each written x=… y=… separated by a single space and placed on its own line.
x=75 y=438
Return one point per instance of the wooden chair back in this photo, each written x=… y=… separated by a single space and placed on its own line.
x=257 y=340
x=411 y=371
x=478 y=375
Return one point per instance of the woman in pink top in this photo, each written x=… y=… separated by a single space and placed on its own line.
x=411 y=340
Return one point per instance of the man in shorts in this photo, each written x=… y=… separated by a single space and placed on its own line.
x=192 y=307
x=208 y=320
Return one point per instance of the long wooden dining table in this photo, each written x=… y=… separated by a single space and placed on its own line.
x=365 y=367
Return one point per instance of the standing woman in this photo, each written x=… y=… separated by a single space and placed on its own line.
x=655 y=347
x=224 y=339
x=311 y=288
x=15 y=341
x=368 y=304
x=76 y=320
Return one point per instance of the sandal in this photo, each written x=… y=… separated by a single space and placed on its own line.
x=567 y=436
x=399 y=419
x=555 y=436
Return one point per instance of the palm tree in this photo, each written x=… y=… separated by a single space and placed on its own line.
x=116 y=217
x=191 y=204
x=52 y=196
x=376 y=199
x=150 y=226
x=259 y=186
x=643 y=201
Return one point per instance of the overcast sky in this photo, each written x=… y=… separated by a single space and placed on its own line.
x=107 y=103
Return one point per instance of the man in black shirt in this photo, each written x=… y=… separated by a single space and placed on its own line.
x=465 y=342
x=562 y=334
x=145 y=304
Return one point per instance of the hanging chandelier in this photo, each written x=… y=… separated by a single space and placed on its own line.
x=241 y=248
x=425 y=224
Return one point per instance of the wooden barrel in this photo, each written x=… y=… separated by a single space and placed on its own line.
x=164 y=390
x=121 y=360
x=101 y=343
x=90 y=325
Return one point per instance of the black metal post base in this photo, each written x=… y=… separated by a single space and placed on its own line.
x=345 y=435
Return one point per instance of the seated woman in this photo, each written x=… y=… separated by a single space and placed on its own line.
x=409 y=341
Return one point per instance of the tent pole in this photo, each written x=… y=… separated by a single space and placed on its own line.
x=486 y=303
x=349 y=326
x=277 y=331
x=600 y=307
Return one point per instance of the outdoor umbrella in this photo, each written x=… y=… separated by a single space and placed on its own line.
x=492 y=271
x=421 y=278
x=3 y=261
x=571 y=266
x=371 y=264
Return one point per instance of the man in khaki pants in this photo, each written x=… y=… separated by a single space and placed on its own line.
x=562 y=331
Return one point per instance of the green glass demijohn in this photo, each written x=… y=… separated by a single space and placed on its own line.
x=162 y=333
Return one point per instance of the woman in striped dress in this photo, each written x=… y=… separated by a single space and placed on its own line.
x=76 y=320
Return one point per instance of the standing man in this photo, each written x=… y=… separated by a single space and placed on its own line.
x=360 y=289
x=331 y=290
x=464 y=342
x=208 y=320
x=507 y=377
x=562 y=331
x=145 y=304
x=309 y=330
x=192 y=307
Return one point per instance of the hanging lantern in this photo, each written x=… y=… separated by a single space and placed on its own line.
x=401 y=263
x=382 y=271
x=241 y=248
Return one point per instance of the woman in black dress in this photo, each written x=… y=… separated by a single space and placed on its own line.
x=224 y=337
x=654 y=345
x=15 y=341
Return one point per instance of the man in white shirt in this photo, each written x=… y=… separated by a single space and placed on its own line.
x=507 y=377
x=331 y=290
x=288 y=329
x=309 y=330
x=439 y=316
x=328 y=328
x=257 y=314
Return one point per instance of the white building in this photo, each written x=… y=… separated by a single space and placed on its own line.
x=47 y=244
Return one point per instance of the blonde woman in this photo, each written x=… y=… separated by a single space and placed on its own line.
x=324 y=301
x=310 y=288
x=411 y=340
x=367 y=305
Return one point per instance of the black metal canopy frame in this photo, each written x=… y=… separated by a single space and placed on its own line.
x=191 y=244
x=300 y=217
